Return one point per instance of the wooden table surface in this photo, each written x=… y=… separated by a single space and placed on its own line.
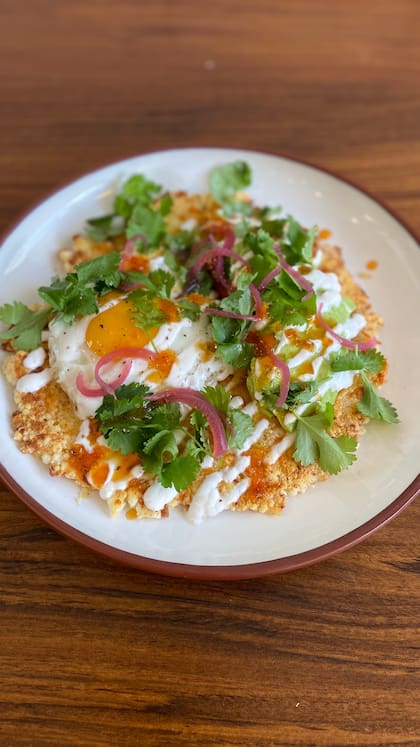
x=95 y=654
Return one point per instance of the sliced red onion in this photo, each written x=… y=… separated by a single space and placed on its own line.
x=85 y=389
x=285 y=377
x=225 y=287
x=130 y=248
x=119 y=354
x=198 y=401
x=245 y=317
x=105 y=388
x=228 y=240
x=217 y=251
x=268 y=278
x=351 y=344
x=300 y=279
x=110 y=387
x=256 y=295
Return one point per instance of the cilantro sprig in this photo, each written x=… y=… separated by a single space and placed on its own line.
x=149 y=222
x=67 y=298
x=229 y=334
x=314 y=444
x=370 y=361
x=374 y=406
x=156 y=432
x=132 y=424
x=239 y=425
x=75 y=294
x=25 y=325
x=157 y=285
x=137 y=191
x=226 y=181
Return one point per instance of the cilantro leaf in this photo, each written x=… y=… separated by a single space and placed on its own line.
x=228 y=333
x=103 y=270
x=121 y=417
x=200 y=444
x=300 y=393
x=161 y=283
x=176 y=243
x=181 y=472
x=284 y=299
x=226 y=181
x=75 y=294
x=159 y=449
x=374 y=406
x=298 y=242
x=69 y=298
x=239 y=425
x=27 y=325
x=264 y=257
x=138 y=189
x=157 y=284
x=218 y=397
x=104 y=227
x=163 y=416
x=314 y=444
x=147 y=314
x=242 y=427
x=133 y=424
x=189 y=309
x=12 y=313
x=148 y=222
x=236 y=354
x=371 y=361
x=274 y=227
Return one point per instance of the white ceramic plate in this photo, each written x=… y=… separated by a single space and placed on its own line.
x=329 y=517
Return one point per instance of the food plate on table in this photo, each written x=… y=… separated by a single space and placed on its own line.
x=381 y=255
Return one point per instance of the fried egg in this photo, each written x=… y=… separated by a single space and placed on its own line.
x=186 y=352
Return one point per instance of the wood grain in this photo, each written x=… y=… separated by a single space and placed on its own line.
x=94 y=654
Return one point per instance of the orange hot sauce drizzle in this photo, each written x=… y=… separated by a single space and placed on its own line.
x=92 y=467
x=325 y=233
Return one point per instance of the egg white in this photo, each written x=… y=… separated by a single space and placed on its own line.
x=70 y=355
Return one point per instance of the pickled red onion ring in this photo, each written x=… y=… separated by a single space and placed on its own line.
x=268 y=278
x=351 y=344
x=218 y=272
x=85 y=389
x=257 y=300
x=119 y=354
x=285 y=377
x=245 y=317
x=110 y=387
x=115 y=355
x=300 y=279
x=216 y=251
x=105 y=387
x=198 y=401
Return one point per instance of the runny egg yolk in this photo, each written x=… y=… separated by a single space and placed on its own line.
x=114 y=327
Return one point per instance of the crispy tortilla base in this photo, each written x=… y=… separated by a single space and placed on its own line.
x=44 y=423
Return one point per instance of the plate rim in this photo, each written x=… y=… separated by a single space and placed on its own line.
x=215 y=572
x=218 y=572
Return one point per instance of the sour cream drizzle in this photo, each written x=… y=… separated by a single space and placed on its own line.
x=32 y=382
